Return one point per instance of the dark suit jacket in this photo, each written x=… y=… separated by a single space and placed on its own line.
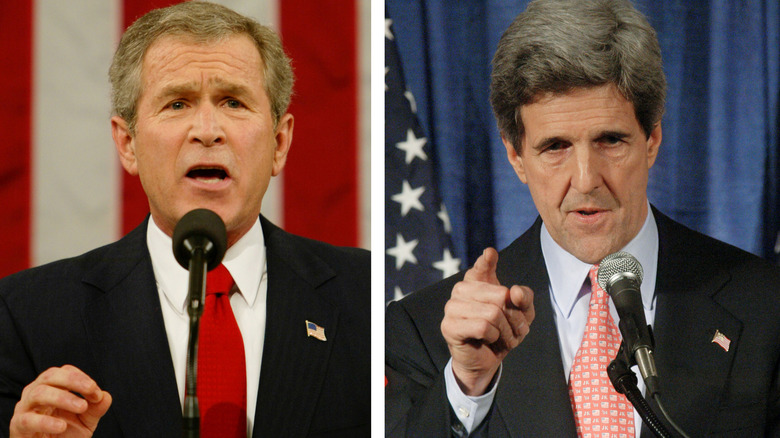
x=101 y=313
x=702 y=285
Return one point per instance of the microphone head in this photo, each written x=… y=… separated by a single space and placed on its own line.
x=619 y=262
x=201 y=225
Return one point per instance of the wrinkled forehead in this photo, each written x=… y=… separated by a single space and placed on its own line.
x=180 y=64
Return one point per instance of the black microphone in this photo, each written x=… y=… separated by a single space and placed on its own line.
x=620 y=275
x=199 y=244
x=200 y=232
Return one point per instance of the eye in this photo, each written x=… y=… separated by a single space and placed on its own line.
x=233 y=103
x=611 y=139
x=177 y=105
x=555 y=146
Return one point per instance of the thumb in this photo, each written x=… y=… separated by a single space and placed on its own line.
x=96 y=410
x=484 y=268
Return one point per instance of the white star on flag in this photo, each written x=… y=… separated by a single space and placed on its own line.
x=409 y=198
x=445 y=218
x=448 y=265
x=398 y=294
x=412 y=103
x=413 y=147
x=410 y=184
x=403 y=251
x=388 y=31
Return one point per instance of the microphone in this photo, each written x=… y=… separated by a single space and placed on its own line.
x=620 y=275
x=199 y=244
x=200 y=232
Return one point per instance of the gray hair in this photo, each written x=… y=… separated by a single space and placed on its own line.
x=203 y=22
x=558 y=45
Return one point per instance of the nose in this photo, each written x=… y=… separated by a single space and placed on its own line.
x=206 y=127
x=587 y=167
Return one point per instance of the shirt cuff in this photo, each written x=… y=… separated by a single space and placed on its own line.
x=470 y=411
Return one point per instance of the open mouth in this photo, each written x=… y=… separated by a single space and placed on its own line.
x=208 y=174
x=588 y=211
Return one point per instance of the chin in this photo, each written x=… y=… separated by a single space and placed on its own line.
x=591 y=254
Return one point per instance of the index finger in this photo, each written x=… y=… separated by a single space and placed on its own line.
x=72 y=379
x=484 y=268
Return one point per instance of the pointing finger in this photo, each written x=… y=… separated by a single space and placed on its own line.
x=484 y=268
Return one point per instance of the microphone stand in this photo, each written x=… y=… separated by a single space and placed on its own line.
x=196 y=302
x=624 y=380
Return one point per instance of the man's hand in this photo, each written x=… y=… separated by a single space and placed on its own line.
x=63 y=402
x=483 y=321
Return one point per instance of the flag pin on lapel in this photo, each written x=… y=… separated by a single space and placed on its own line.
x=721 y=340
x=315 y=331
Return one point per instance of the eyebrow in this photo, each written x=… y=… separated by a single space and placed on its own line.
x=557 y=138
x=226 y=87
x=609 y=133
x=229 y=87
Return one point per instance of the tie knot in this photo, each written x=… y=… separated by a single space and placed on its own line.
x=219 y=281
x=594 y=274
x=597 y=293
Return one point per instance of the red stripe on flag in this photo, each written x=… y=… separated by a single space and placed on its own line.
x=16 y=27
x=321 y=177
x=135 y=205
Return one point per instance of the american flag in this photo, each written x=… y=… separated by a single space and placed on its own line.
x=418 y=250
x=315 y=331
x=721 y=340
x=62 y=189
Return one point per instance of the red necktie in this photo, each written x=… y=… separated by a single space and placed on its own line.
x=221 y=363
x=599 y=410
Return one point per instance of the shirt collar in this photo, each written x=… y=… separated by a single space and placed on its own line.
x=567 y=273
x=241 y=260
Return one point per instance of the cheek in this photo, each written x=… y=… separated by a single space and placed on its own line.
x=158 y=158
x=630 y=182
x=255 y=157
x=547 y=190
x=550 y=182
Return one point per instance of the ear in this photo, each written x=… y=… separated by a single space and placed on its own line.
x=283 y=139
x=515 y=159
x=125 y=144
x=653 y=145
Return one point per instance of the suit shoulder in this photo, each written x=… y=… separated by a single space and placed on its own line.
x=674 y=236
x=741 y=281
x=61 y=272
x=340 y=258
x=341 y=275
x=345 y=252
x=110 y=259
x=431 y=298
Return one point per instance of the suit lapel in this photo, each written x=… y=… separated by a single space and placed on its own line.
x=690 y=366
x=127 y=335
x=294 y=364
x=532 y=375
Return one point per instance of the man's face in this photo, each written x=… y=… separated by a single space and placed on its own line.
x=586 y=161
x=204 y=135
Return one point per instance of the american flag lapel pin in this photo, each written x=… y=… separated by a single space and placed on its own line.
x=721 y=340
x=315 y=331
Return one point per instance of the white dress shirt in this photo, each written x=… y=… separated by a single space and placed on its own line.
x=570 y=304
x=246 y=262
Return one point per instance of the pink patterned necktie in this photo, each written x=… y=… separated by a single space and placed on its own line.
x=221 y=363
x=599 y=411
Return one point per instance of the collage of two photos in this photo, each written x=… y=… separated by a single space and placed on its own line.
x=571 y=230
